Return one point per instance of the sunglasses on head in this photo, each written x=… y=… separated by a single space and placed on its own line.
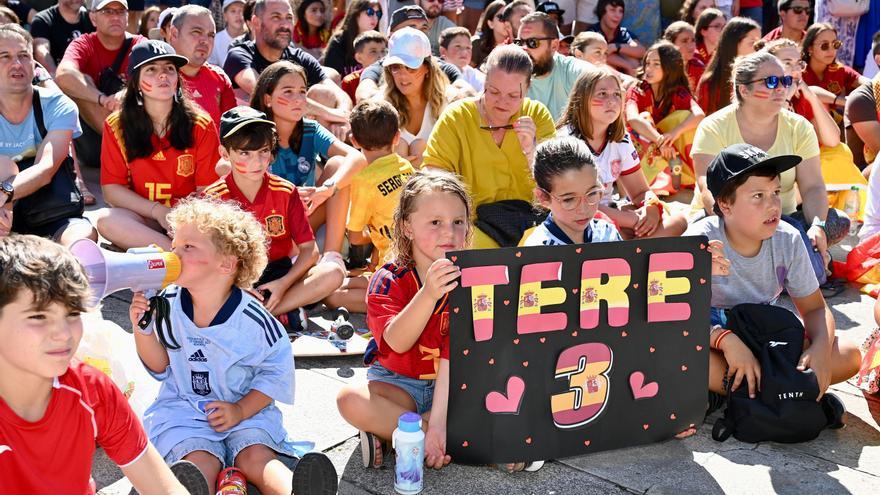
x=800 y=10
x=374 y=12
x=825 y=45
x=772 y=82
x=531 y=43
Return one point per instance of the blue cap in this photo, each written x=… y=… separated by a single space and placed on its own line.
x=409 y=422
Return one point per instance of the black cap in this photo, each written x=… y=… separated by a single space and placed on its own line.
x=234 y=119
x=407 y=13
x=742 y=158
x=550 y=8
x=152 y=50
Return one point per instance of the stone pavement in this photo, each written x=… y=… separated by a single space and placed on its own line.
x=842 y=461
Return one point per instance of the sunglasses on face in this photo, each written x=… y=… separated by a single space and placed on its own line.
x=531 y=43
x=374 y=12
x=825 y=45
x=800 y=10
x=773 y=82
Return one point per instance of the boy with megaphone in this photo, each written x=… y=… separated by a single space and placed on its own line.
x=223 y=360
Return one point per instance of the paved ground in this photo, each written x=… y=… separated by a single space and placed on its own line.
x=842 y=461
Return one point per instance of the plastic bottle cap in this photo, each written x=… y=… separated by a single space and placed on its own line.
x=409 y=422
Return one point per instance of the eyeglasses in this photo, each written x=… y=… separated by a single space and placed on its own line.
x=113 y=12
x=531 y=43
x=800 y=10
x=772 y=82
x=374 y=12
x=570 y=203
x=794 y=65
x=398 y=68
x=825 y=45
x=716 y=25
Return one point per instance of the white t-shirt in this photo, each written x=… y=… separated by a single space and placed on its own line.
x=221 y=48
x=428 y=122
x=474 y=77
x=872 y=206
x=615 y=159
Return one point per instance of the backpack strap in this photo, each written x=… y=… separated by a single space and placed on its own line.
x=123 y=51
x=38 y=113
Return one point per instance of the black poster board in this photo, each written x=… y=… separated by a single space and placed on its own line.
x=564 y=350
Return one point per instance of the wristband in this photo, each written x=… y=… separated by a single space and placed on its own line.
x=720 y=337
x=100 y=95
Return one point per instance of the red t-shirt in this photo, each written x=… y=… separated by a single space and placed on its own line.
x=702 y=54
x=91 y=57
x=777 y=33
x=211 y=89
x=802 y=107
x=54 y=454
x=278 y=208
x=744 y=4
x=643 y=96
x=351 y=82
x=391 y=289
x=838 y=78
x=170 y=174
x=695 y=70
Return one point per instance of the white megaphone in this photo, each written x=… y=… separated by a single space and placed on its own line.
x=138 y=269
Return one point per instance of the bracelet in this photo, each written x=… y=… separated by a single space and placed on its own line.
x=717 y=344
x=153 y=208
x=100 y=95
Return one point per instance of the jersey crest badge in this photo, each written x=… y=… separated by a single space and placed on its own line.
x=275 y=225
x=185 y=165
x=200 y=384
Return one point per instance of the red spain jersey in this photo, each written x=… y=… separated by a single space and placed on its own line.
x=54 y=454
x=169 y=174
x=839 y=79
x=211 y=89
x=643 y=96
x=695 y=70
x=278 y=208
x=702 y=54
x=391 y=289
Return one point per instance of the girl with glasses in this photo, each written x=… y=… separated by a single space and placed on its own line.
x=737 y=39
x=595 y=116
x=820 y=52
x=759 y=117
x=663 y=115
x=707 y=32
x=361 y=16
x=568 y=186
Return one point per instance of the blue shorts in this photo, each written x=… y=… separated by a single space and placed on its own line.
x=421 y=391
x=226 y=450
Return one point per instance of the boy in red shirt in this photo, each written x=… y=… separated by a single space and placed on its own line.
x=294 y=277
x=53 y=411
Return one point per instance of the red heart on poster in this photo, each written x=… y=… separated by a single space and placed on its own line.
x=672 y=416
x=454 y=258
x=574 y=291
x=635 y=286
x=586 y=443
x=685 y=333
x=464 y=386
x=464 y=444
x=465 y=352
x=574 y=334
x=646 y=426
x=652 y=349
x=702 y=281
x=702 y=246
x=526 y=364
x=699 y=348
x=508 y=402
x=543 y=339
x=623 y=333
x=506 y=302
x=640 y=389
x=491 y=360
x=638 y=250
x=578 y=250
x=529 y=440
x=455 y=310
x=518 y=254
x=516 y=341
x=684 y=368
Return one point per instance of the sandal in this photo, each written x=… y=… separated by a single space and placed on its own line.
x=833 y=287
x=517 y=467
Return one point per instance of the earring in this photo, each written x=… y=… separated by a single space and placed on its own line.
x=139 y=98
x=178 y=95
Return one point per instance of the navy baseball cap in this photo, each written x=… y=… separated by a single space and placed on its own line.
x=151 y=51
x=741 y=158
x=234 y=119
x=550 y=8
x=406 y=13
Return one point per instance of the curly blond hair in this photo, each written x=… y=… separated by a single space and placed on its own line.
x=232 y=230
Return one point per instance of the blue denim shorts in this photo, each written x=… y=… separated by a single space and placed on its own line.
x=421 y=391
x=226 y=450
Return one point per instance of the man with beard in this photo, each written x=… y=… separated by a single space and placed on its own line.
x=273 y=30
x=192 y=35
x=794 y=16
x=553 y=74
x=436 y=23
x=54 y=28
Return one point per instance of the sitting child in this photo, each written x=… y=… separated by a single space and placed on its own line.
x=744 y=181
x=374 y=192
x=54 y=411
x=369 y=47
x=223 y=360
x=457 y=48
x=247 y=141
x=591 y=47
x=568 y=185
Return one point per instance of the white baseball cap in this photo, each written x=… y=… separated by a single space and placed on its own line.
x=100 y=4
x=227 y=3
x=408 y=46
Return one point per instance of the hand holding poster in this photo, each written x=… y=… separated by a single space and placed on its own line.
x=564 y=350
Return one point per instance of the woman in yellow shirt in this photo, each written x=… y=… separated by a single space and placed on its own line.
x=490 y=140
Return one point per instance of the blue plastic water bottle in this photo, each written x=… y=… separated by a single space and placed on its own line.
x=408 y=441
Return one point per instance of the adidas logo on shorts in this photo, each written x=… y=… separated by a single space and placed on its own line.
x=198 y=357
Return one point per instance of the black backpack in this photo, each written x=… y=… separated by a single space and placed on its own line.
x=785 y=409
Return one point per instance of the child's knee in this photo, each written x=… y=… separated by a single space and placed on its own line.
x=252 y=459
x=849 y=360
x=348 y=401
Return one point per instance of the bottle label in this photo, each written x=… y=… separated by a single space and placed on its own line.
x=408 y=468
